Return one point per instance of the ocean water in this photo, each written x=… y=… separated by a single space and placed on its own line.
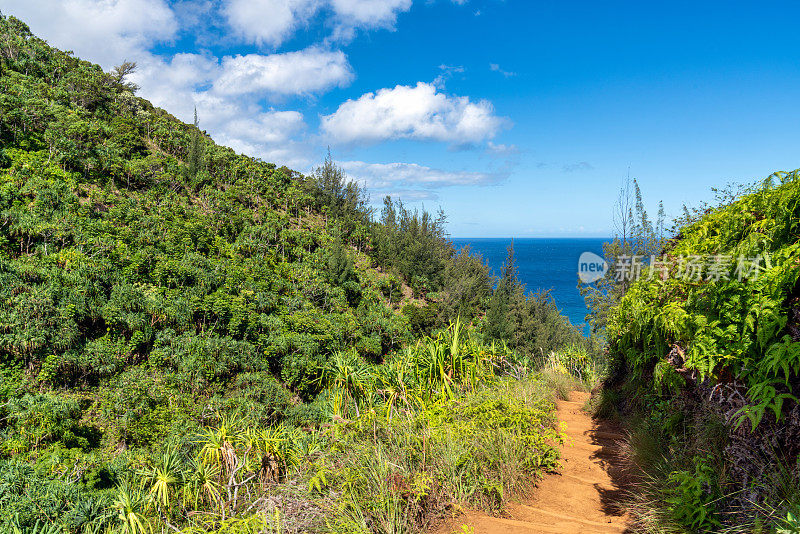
x=542 y=263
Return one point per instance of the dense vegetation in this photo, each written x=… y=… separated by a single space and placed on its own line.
x=194 y=340
x=706 y=347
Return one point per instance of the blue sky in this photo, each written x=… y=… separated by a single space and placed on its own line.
x=518 y=118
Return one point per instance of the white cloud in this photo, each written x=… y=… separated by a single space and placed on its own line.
x=270 y=127
x=445 y=73
x=269 y=21
x=107 y=31
x=305 y=71
x=370 y=13
x=494 y=67
x=272 y=22
x=419 y=112
x=186 y=82
x=229 y=92
x=172 y=84
x=181 y=72
x=270 y=136
x=501 y=149
x=383 y=176
x=408 y=196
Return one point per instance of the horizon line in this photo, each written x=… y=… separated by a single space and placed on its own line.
x=532 y=237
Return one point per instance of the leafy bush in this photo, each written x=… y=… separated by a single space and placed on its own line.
x=421 y=319
x=690 y=500
x=153 y=284
x=720 y=348
x=45 y=418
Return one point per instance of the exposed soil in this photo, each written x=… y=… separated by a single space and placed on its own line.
x=582 y=497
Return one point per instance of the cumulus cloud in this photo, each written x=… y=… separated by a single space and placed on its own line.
x=187 y=81
x=107 y=31
x=269 y=21
x=229 y=92
x=305 y=71
x=269 y=135
x=270 y=127
x=393 y=175
x=226 y=92
x=369 y=14
x=272 y=22
x=420 y=113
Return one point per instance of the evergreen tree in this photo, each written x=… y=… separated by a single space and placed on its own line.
x=194 y=159
x=499 y=319
x=340 y=266
x=530 y=323
x=660 y=222
x=122 y=71
x=466 y=288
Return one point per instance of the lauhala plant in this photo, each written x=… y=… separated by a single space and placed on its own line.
x=218 y=444
x=202 y=485
x=163 y=479
x=131 y=505
x=434 y=368
x=148 y=273
x=451 y=359
x=349 y=378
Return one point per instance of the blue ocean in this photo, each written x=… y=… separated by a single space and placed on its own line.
x=542 y=263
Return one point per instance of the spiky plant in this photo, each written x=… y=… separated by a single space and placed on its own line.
x=218 y=444
x=202 y=484
x=130 y=505
x=164 y=477
x=349 y=377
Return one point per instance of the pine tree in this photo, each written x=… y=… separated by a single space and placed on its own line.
x=195 y=156
x=660 y=222
x=499 y=317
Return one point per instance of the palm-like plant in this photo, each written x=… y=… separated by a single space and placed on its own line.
x=130 y=505
x=202 y=484
x=90 y=516
x=218 y=445
x=442 y=363
x=164 y=477
x=350 y=379
x=38 y=528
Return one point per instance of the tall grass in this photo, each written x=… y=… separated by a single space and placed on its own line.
x=434 y=428
x=573 y=368
x=682 y=485
x=435 y=368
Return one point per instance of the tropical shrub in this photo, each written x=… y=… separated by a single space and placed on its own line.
x=712 y=326
x=192 y=339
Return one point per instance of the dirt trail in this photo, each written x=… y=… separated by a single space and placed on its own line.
x=580 y=499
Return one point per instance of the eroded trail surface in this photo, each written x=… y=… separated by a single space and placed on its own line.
x=582 y=498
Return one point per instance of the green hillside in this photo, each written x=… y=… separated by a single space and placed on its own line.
x=708 y=351
x=199 y=341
